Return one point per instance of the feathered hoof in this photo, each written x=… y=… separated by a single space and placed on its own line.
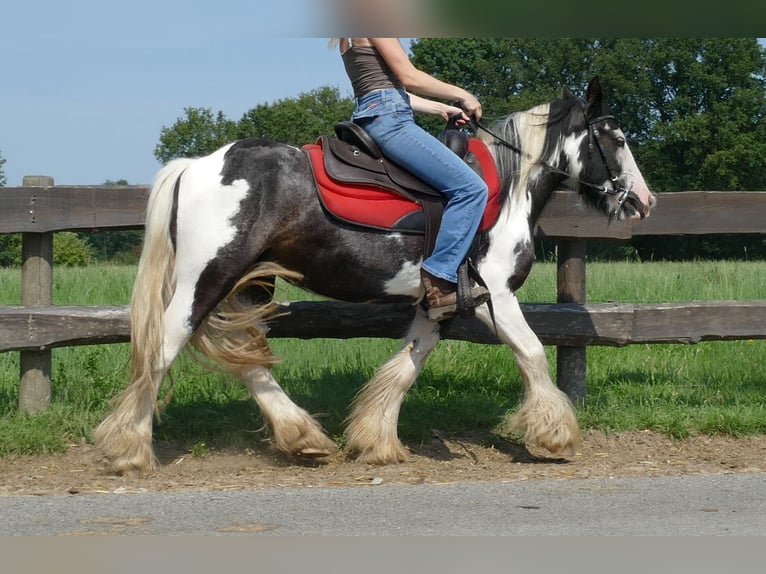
x=127 y=449
x=304 y=438
x=378 y=455
x=134 y=465
x=550 y=425
x=559 y=440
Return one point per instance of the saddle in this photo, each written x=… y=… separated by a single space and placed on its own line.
x=358 y=185
x=355 y=158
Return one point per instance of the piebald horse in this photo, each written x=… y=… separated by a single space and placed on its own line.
x=221 y=228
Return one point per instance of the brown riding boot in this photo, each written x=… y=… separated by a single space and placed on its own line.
x=441 y=296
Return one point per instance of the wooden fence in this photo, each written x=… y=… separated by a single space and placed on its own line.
x=38 y=209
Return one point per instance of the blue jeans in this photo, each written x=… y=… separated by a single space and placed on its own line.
x=387 y=116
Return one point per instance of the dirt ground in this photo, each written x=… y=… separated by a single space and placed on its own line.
x=81 y=469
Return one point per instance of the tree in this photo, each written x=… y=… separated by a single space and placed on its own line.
x=2 y=171
x=293 y=121
x=297 y=121
x=199 y=133
x=10 y=249
x=70 y=250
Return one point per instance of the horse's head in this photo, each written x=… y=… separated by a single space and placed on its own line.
x=606 y=172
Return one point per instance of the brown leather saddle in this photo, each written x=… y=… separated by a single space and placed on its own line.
x=353 y=157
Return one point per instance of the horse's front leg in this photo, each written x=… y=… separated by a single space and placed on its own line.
x=371 y=434
x=546 y=416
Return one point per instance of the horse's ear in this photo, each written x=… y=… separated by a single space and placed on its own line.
x=594 y=95
x=565 y=93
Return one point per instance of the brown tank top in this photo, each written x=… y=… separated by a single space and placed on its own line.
x=367 y=70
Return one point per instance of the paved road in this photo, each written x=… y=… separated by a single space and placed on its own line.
x=691 y=505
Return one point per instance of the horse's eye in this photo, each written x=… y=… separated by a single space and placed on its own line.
x=620 y=141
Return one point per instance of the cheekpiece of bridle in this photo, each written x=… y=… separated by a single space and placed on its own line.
x=621 y=193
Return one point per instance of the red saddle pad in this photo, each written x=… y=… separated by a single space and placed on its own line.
x=373 y=206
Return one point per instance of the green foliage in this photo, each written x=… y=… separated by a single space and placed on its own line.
x=10 y=249
x=198 y=134
x=705 y=125
x=121 y=247
x=297 y=121
x=70 y=250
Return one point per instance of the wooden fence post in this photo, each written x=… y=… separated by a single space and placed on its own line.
x=36 y=291
x=570 y=361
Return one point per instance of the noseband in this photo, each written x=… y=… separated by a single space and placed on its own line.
x=621 y=193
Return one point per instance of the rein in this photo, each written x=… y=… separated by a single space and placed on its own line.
x=621 y=193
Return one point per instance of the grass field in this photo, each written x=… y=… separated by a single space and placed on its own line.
x=717 y=387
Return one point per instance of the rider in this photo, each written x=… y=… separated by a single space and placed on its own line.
x=381 y=75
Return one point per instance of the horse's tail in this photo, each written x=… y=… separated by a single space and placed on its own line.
x=234 y=335
x=154 y=284
x=125 y=434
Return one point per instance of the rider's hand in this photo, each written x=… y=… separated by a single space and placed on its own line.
x=472 y=107
x=450 y=111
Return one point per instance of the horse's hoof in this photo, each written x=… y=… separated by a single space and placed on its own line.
x=567 y=451
x=313 y=452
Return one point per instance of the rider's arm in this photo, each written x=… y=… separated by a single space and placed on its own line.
x=432 y=107
x=416 y=80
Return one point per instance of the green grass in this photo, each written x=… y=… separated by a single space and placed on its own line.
x=714 y=388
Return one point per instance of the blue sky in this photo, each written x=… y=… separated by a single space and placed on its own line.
x=88 y=84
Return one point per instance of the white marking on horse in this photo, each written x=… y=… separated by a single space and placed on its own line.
x=571 y=146
x=205 y=212
x=406 y=281
x=634 y=179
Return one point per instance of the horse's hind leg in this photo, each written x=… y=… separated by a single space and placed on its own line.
x=294 y=430
x=371 y=434
x=238 y=344
x=125 y=435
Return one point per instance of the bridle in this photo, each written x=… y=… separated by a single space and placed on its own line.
x=616 y=190
x=621 y=193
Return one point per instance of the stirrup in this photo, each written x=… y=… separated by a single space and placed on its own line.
x=470 y=297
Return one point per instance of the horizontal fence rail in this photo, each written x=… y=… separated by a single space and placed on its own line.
x=40 y=208
x=64 y=208
x=608 y=324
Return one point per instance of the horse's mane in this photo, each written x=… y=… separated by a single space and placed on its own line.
x=527 y=131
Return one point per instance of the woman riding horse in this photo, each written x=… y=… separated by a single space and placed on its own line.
x=380 y=70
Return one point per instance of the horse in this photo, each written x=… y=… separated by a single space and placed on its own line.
x=221 y=228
